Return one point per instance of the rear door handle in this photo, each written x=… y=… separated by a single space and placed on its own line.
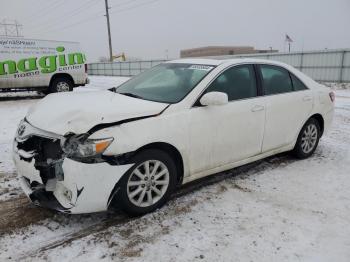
x=307 y=98
x=257 y=108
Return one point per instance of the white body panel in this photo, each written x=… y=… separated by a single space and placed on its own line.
x=221 y=127
x=209 y=139
x=66 y=115
x=290 y=112
x=37 y=61
x=90 y=199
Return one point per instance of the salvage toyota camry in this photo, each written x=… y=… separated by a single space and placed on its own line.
x=177 y=122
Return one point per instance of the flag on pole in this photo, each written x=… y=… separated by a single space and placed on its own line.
x=288 y=39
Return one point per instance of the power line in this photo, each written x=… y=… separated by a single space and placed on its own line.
x=47 y=12
x=88 y=19
x=96 y=16
x=134 y=7
x=45 y=28
x=50 y=22
x=43 y=10
x=87 y=4
x=124 y=3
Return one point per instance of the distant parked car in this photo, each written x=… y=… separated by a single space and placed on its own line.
x=41 y=65
x=175 y=123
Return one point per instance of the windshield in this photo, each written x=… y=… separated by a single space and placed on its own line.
x=167 y=83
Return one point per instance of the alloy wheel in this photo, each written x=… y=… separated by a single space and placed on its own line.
x=309 y=138
x=148 y=183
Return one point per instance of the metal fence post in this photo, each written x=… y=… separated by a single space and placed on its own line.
x=301 y=61
x=342 y=67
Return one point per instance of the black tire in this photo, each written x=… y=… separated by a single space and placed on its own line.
x=299 y=149
x=122 y=197
x=61 y=84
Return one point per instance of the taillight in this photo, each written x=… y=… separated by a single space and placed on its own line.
x=85 y=68
x=332 y=96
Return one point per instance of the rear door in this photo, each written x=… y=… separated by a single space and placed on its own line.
x=288 y=105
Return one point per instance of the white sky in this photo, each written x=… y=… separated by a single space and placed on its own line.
x=147 y=28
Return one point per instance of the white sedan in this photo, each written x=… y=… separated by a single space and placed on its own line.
x=131 y=146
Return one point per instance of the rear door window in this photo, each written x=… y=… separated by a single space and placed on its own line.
x=275 y=80
x=297 y=84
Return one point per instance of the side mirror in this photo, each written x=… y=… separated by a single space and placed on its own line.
x=214 y=99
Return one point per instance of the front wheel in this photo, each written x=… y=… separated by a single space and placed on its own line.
x=308 y=139
x=148 y=184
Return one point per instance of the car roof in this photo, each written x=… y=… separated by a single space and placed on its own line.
x=197 y=61
x=216 y=62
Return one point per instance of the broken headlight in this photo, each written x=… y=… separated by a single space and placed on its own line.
x=79 y=146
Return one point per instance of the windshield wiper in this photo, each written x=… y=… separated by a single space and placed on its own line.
x=131 y=95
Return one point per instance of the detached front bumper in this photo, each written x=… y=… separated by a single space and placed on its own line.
x=64 y=184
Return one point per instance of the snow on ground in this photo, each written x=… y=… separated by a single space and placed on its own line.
x=278 y=209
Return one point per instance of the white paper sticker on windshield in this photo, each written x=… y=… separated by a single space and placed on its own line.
x=201 y=67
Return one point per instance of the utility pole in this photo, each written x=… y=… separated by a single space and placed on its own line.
x=109 y=32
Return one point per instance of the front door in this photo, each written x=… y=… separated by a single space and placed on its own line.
x=220 y=135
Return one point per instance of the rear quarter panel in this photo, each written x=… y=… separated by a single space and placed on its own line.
x=322 y=102
x=324 y=105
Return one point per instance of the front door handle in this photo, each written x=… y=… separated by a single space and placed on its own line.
x=307 y=98
x=257 y=108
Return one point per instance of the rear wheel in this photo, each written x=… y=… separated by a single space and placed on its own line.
x=308 y=139
x=61 y=84
x=148 y=184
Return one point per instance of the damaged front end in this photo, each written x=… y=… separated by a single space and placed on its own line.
x=67 y=173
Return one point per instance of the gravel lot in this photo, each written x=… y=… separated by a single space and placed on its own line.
x=278 y=209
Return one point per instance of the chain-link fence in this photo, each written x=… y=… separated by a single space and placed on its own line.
x=121 y=68
x=325 y=65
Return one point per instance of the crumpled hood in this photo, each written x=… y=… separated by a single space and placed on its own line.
x=78 y=112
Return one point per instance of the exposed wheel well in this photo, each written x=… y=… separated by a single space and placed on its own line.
x=320 y=120
x=172 y=151
x=61 y=75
